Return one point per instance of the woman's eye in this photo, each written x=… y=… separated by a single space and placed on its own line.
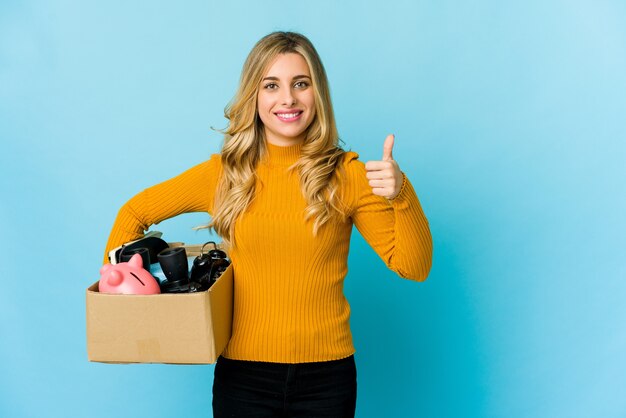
x=301 y=84
x=271 y=86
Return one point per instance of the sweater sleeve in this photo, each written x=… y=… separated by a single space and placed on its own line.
x=396 y=229
x=190 y=191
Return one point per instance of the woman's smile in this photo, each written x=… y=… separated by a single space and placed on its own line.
x=289 y=116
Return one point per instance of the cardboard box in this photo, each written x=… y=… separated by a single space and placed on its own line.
x=182 y=328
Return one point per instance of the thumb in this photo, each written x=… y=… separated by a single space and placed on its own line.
x=387 y=147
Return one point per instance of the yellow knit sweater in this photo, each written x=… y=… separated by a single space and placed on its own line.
x=289 y=301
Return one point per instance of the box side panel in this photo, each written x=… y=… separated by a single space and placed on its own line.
x=148 y=328
x=221 y=296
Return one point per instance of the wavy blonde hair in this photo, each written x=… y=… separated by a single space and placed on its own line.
x=319 y=166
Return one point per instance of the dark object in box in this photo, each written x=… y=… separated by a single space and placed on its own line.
x=182 y=328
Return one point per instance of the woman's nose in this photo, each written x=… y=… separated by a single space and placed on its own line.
x=289 y=99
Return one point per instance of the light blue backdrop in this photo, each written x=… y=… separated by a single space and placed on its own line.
x=509 y=120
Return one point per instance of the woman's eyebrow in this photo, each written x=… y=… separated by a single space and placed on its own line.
x=294 y=78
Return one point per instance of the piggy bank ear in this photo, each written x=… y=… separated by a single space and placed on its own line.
x=105 y=268
x=115 y=278
x=136 y=261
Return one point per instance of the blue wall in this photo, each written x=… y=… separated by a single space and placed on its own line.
x=509 y=121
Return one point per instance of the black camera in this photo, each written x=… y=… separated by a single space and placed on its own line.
x=207 y=268
x=205 y=271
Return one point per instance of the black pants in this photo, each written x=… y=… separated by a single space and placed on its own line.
x=254 y=389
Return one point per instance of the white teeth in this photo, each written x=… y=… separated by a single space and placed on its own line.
x=287 y=115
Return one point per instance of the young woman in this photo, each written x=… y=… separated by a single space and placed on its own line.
x=284 y=196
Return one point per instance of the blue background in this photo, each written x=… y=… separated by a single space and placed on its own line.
x=509 y=121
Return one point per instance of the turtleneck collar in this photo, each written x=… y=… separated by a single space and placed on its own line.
x=288 y=155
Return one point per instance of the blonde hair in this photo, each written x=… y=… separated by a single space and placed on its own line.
x=319 y=167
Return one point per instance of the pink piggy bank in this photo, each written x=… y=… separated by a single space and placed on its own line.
x=128 y=278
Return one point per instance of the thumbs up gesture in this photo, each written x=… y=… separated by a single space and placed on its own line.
x=385 y=176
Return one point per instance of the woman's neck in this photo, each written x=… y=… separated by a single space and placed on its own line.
x=283 y=155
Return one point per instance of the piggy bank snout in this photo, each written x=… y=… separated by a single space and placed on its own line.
x=115 y=278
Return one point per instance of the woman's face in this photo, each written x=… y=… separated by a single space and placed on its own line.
x=286 y=102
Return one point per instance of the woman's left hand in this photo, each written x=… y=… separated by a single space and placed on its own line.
x=385 y=176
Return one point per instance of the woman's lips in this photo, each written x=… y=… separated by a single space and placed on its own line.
x=289 y=117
